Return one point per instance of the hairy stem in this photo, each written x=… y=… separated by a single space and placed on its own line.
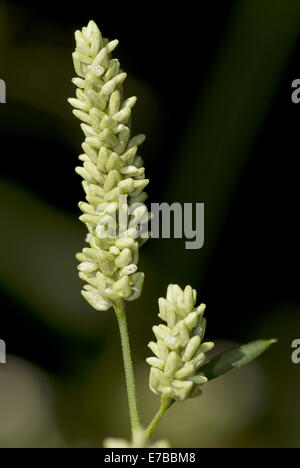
x=164 y=405
x=129 y=374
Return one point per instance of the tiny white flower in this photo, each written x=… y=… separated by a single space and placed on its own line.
x=139 y=441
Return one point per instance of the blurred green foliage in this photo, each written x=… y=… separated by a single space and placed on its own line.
x=227 y=116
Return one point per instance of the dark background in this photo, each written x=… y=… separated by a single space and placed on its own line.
x=214 y=89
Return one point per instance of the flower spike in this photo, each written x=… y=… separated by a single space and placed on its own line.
x=179 y=349
x=113 y=174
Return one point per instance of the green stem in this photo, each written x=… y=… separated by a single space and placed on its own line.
x=164 y=405
x=129 y=375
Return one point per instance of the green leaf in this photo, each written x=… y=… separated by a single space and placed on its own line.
x=234 y=358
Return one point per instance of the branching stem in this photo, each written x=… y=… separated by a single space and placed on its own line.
x=165 y=404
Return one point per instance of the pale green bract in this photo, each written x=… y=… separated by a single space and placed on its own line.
x=179 y=349
x=113 y=174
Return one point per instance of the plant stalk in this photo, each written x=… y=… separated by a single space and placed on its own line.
x=128 y=367
x=164 y=405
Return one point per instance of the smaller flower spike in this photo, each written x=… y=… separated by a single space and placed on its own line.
x=113 y=175
x=179 y=350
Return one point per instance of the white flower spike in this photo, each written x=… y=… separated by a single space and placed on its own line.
x=113 y=175
x=179 y=350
